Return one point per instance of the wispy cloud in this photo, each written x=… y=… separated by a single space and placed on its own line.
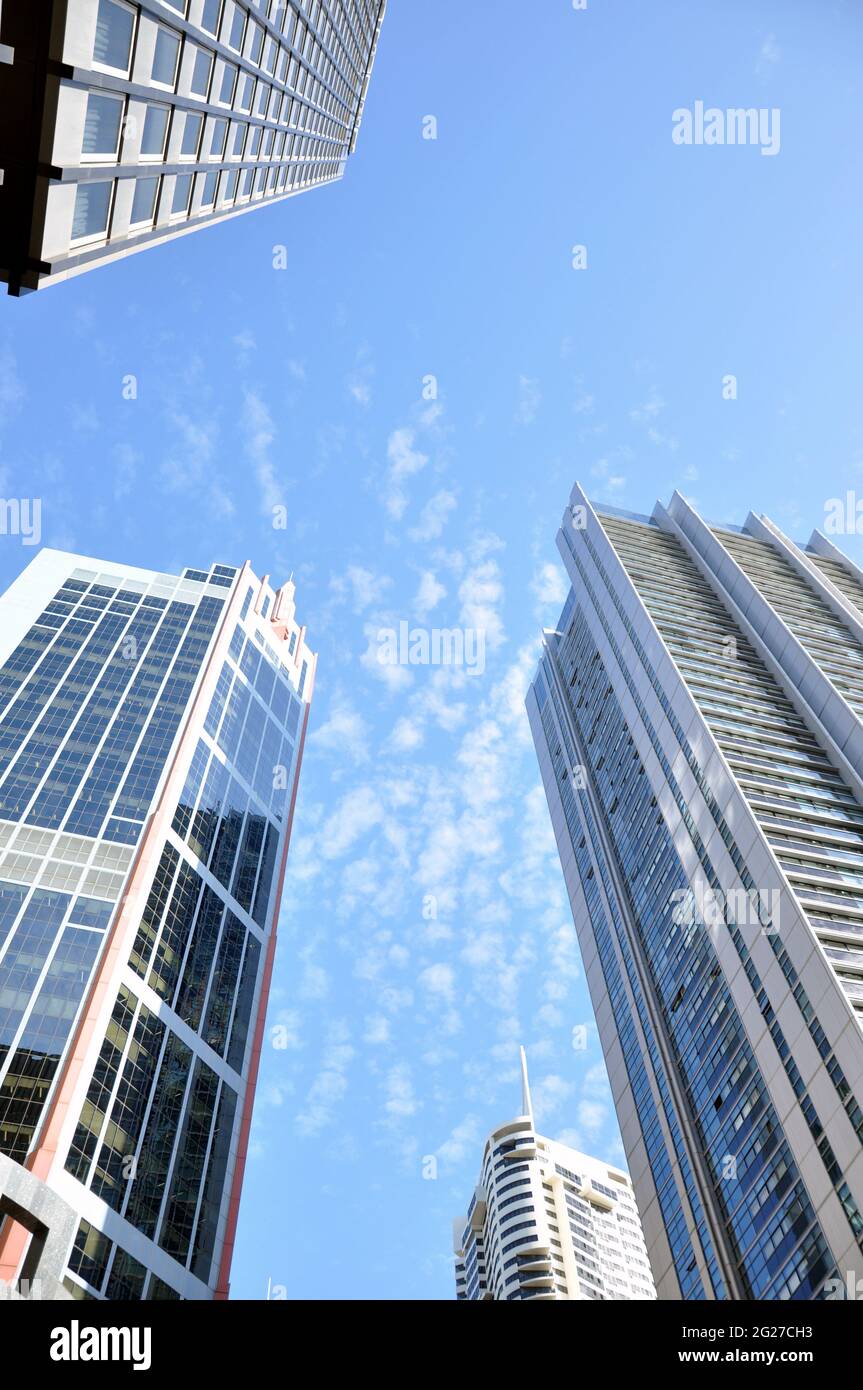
x=529 y=397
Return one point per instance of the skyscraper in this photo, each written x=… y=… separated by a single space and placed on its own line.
x=151 y=732
x=547 y=1222
x=124 y=125
x=697 y=719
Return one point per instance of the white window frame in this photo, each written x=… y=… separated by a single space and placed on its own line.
x=89 y=160
x=123 y=72
x=227 y=176
x=208 y=53
x=163 y=86
x=191 y=158
x=151 y=220
x=184 y=213
x=95 y=238
x=207 y=175
x=213 y=32
x=215 y=121
x=153 y=158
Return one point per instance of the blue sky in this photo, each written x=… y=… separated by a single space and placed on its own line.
x=303 y=387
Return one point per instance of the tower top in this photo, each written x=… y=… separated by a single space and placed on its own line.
x=526 y=1104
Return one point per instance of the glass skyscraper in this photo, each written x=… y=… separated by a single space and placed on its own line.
x=126 y=123
x=697 y=717
x=151 y=732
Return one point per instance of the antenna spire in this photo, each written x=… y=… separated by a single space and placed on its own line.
x=526 y=1104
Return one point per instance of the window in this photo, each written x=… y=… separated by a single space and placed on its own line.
x=92 y=210
x=256 y=142
x=238 y=25
x=102 y=126
x=182 y=194
x=239 y=140
x=229 y=82
x=218 y=138
x=178 y=5
x=191 y=137
x=257 y=42
x=166 y=57
x=144 y=201
x=263 y=97
x=155 y=132
x=229 y=186
x=210 y=17
x=115 y=24
x=246 y=185
x=244 y=92
x=200 y=84
x=208 y=196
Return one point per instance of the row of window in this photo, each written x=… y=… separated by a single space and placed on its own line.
x=106 y=125
x=94 y=720
x=213 y=79
x=191 y=194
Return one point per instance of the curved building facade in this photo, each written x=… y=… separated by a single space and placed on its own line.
x=546 y=1222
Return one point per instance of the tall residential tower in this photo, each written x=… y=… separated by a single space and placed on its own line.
x=697 y=716
x=547 y=1222
x=126 y=123
x=151 y=732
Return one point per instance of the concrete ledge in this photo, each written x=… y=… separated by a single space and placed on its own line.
x=53 y=1223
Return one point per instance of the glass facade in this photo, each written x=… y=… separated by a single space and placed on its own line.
x=624 y=769
x=97 y=703
x=92 y=699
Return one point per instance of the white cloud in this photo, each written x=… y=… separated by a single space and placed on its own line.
x=769 y=55
x=405 y=461
x=407 y=735
x=394 y=676
x=438 y=979
x=329 y=1086
x=364 y=586
x=401 y=1101
x=649 y=409
x=315 y=983
x=378 y=1030
x=462 y=1144
x=480 y=592
x=359 y=381
x=550 y=584
x=260 y=433
x=429 y=593
x=433 y=517
x=357 y=812
x=613 y=482
x=529 y=398
x=548 y=1095
x=11 y=387
x=344 y=733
